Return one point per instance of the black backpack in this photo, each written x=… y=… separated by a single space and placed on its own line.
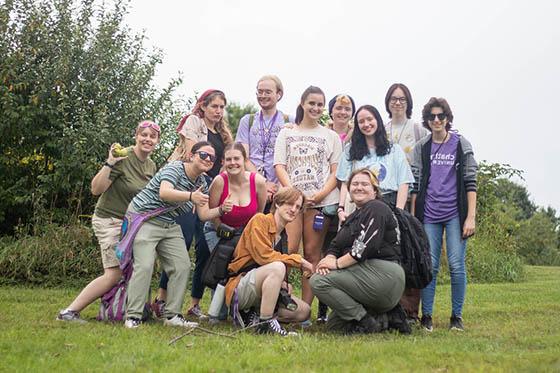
x=416 y=259
x=216 y=268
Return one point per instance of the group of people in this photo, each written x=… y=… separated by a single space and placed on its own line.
x=287 y=183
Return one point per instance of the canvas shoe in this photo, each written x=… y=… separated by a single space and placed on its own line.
x=272 y=326
x=132 y=323
x=69 y=315
x=179 y=320
x=322 y=316
x=197 y=312
x=456 y=323
x=426 y=323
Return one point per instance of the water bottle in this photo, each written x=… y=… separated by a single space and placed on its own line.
x=217 y=302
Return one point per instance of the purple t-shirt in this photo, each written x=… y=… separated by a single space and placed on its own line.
x=441 y=196
x=261 y=138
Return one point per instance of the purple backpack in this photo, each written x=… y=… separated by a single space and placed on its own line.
x=113 y=302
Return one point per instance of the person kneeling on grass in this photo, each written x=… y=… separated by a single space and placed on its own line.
x=258 y=268
x=360 y=278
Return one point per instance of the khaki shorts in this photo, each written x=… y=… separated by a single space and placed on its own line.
x=108 y=233
x=247 y=295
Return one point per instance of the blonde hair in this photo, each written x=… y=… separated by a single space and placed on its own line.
x=277 y=82
x=372 y=178
x=286 y=195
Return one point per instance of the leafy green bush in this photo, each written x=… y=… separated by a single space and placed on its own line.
x=57 y=255
x=73 y=80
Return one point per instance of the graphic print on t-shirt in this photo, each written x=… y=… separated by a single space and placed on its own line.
x=380 y=170
x=306 y=162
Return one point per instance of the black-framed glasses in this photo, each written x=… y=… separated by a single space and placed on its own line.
x=205 y=155
x=440 y=116
x=394 y=100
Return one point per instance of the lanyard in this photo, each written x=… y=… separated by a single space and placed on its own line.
x=265 y=130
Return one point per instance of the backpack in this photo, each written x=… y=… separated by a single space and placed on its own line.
x=113 y=302
x=416 y=259
x=216 y=268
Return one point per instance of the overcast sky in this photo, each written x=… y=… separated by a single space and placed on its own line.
x=496 y=62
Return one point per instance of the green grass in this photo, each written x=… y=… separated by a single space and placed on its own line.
x=509 y=327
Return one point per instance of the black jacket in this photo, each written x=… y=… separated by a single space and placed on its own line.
x=465 y=169
x=373 y=224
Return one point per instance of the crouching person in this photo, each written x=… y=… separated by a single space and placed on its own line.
x=360 y=278
x=258 y=268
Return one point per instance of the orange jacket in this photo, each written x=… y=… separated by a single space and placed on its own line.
x=256 y=245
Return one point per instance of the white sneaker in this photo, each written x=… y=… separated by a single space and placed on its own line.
x=132 y=323
x=179 y=320
x=69 y=315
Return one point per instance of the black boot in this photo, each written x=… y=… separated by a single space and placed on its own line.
x=397 y=320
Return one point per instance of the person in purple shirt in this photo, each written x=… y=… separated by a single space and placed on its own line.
x=444 y=199
x=257 y=132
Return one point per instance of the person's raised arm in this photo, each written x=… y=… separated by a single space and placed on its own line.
x=101 y=181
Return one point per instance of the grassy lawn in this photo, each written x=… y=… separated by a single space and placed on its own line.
x=509 y=327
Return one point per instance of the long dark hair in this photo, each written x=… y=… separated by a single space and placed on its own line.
x=310 y=90
x=358 y=146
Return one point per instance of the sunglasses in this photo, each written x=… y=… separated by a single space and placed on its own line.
x=149 y=124
x=440 y=116
x=204 y=156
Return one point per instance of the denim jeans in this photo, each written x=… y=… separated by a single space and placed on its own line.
x=456 y=249
x=192 y=227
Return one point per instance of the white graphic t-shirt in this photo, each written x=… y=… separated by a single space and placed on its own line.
x=308 y=155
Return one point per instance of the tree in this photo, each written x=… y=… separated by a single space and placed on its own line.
x=74 y=79
x=235 y=112
x=513 y=194
x=538 y=239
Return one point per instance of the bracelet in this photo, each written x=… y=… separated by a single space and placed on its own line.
x=340 y=208
x=220 y=211
x=190 y=196
x=336 y=261
x=108 y=164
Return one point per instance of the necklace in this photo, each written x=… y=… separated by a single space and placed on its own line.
x=440 y=145
x=402 y=131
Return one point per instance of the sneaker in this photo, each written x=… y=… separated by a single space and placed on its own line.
x=306 y=324
x=195 y=311
x=244 y=318
x=426 y=323
x=132 y=323
x=322 y=316
x=398 y=320
x=272 y=326
x=158 y=308
x=179 y=320
x=69 y=315
x=456 y=323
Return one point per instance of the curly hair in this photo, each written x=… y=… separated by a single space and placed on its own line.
x=440 y=103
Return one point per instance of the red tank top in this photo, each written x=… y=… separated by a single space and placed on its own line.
x=240 y=215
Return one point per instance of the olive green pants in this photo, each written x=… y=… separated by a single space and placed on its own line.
x=373 y=286
x=167 y=241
